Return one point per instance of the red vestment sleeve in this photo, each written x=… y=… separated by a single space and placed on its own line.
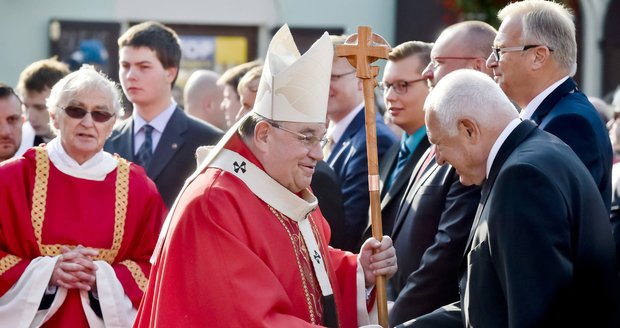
x=228 y=262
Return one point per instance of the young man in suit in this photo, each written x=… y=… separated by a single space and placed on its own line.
x=159 y=135
x=540 y=252
x=346 y=147
x=404 y=92
x=534 y=56
x=435 y=216
x=34 y=86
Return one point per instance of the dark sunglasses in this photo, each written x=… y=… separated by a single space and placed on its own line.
x=79 y=113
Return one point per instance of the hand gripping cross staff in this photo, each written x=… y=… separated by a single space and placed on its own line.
x=361 y=50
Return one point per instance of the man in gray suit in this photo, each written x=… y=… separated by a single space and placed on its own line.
x=159 y=136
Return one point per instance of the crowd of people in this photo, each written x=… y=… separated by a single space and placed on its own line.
x=248 y=205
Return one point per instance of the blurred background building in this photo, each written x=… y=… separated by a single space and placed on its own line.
x=220 y=34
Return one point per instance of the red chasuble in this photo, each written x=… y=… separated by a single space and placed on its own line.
x=231 y=260
x=72 y=211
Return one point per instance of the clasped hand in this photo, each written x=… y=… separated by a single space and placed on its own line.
x=75 y=269
x=378 y=258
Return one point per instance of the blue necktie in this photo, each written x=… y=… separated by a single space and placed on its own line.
x=145 y=153
x=403 y=156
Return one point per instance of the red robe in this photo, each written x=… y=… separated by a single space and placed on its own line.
x=77 y=212
x=230 y=260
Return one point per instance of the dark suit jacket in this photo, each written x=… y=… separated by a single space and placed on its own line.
x=567 y=114
x=174 y=158
x=540 y=253
x=326 y=187
x=429 y=236
x=615 y=217
x=349 y=160
x=393 y=196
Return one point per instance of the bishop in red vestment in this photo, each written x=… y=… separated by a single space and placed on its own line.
x=245 y=244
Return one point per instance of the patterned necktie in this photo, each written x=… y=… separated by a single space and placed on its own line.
x=403 y=156
x=145 y=153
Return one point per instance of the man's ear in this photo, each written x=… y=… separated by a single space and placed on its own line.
x=541 y=55
x=171 y=73
x=468 y=128
x=261 y=135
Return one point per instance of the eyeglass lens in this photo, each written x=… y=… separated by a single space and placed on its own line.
x=97 y=115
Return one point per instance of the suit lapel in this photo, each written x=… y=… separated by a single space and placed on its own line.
x=402 y=179
x=412 y=187
x=122 y=142
x=515 y=138
x=552 y=99
x=354 y=127
x=390 y=159
x=170 y=142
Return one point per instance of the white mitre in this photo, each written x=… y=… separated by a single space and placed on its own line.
x=292 y=88
x=295 y=88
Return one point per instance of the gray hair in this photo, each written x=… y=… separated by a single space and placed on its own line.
x=83 y=80
x=467 y=92
x=547 y=23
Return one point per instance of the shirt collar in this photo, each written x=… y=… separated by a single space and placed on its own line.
x=158 y=122
x=336 y=129
x=529 y=110
x=500 y=141
x=411 y=141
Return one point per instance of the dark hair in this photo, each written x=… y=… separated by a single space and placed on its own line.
x=6 y=92
x=246 y=128
x=157 y=37
x=41 y=75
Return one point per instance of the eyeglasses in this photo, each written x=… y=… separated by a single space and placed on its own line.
x=336 y=77
x=400 y=87
x=498 y=51
x=79 y=113
x=308 y=141
x=435 y=61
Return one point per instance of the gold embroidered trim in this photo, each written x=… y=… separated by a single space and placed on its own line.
x=8 y=262
x=301 y=272
x=39 y=201
x=137 y=274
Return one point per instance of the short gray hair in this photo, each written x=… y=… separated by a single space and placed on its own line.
x=547 y=23
x=467 y=92
x=84 y=79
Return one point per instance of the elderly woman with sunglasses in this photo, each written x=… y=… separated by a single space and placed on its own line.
x=77 y=224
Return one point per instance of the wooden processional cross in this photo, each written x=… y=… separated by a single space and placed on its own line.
x=362 y=49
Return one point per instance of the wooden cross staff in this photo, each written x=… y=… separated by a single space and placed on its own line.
x=361 y=50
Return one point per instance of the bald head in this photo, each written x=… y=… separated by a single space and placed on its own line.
x=462 y=45
x=202 y=96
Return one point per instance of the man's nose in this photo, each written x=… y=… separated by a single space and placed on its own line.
x=491 y=60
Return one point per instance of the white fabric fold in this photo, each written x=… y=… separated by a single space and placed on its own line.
x=19 y=306
x=116 y=307
x=96 y=168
